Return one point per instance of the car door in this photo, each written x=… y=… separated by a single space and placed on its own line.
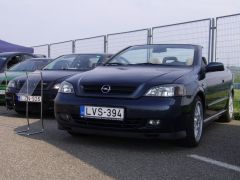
x=216 y=92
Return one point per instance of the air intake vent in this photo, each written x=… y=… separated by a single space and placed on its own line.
x=114 y=90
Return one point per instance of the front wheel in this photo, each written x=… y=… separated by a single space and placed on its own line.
x=194 y=124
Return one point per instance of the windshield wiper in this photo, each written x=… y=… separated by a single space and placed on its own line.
x=144 y=64
x=64 y=69
x=114 y=64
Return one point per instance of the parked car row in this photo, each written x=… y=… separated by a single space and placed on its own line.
x=53 y=75
x=149 y=91
x=29 y=65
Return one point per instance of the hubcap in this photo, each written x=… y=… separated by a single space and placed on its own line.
x=230 y=106
x=198 y=121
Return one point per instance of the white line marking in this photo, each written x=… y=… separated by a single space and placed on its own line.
x=214 y=162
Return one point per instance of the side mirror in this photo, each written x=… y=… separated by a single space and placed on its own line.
x=214 y=66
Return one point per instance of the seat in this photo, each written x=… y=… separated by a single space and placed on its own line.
x=189 y=61
x=61 y=65
x=155 y=60
x=82 y=64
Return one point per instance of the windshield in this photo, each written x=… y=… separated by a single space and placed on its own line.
x=75 y=62
x=174 y=55
x=30 y=65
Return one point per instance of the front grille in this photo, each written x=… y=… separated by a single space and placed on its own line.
x=101 y=123
x=31 y=85
x=115 y=90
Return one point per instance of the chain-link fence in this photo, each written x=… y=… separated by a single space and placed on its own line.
x=119 y=41
x=42 y=49
x=194 y=32
x=58 y=49
x=90 y=45
x=228 y=50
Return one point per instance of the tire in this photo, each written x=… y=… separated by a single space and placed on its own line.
x=194 y=124
x=228 y=115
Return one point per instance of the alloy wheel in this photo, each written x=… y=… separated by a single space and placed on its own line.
x=230 y=106
x=198 y=121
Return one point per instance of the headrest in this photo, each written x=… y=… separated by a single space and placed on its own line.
x=155 y=60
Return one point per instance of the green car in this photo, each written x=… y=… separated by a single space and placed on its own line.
x=29 y=65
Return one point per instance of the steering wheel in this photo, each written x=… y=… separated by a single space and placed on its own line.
x=171 y=59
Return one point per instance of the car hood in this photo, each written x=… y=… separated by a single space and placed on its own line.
x=125 y=82
x=50 y=76
x=10 y=75
x=132 y=75
x=53 y=76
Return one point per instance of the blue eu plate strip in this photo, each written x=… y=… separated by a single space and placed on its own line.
x=82 y=109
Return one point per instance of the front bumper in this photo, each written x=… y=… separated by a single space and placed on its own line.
x=48 y=101
x=2 y=96
x=2 y=99
x=170 y=111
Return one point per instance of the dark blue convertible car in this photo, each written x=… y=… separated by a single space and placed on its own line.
x=165 y=91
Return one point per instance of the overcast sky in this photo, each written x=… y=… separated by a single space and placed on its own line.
x=35 y=22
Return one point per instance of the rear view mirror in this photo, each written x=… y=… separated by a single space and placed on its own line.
x=214 y=66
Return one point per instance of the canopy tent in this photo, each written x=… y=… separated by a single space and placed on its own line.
x=9 y=47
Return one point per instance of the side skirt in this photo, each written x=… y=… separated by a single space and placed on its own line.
x=215 y=116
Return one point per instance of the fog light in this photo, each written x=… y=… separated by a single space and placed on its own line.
x=65 y=116
x=154 y=122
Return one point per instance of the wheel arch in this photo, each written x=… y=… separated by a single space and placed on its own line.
x=202 y=97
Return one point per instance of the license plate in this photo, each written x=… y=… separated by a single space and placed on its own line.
x=102 y=112
x=2 y=92
x=30 y=99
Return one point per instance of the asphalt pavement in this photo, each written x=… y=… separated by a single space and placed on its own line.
x=55 y=154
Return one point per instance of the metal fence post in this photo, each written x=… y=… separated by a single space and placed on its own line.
x=105 y=44
x=49 y=51
x=149 y=40
x=210 y=50
x=213 y=47
x=73 y=46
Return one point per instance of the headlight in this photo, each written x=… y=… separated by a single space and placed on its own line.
x=167 y=90
x=57 y=86
x=66 y=88
x=11 y=84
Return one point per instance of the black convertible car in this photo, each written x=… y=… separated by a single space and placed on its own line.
x=165 y=91
x=9 y=59
x=53 y=74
